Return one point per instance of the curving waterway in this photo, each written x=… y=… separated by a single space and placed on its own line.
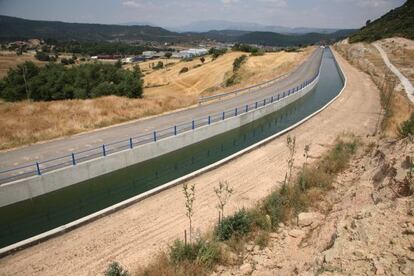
x=28 y=218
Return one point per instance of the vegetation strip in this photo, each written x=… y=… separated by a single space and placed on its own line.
x=198 y=256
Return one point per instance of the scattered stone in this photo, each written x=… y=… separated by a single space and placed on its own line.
x=246 y=269
x=309 y=219
x=296 y=233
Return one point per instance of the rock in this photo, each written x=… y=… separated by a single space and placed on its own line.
x=249 y=247
x=273 y=235
x=246 y=269
x=309 y=219
x=329 y=255
x=296 y=233
x=359 y=253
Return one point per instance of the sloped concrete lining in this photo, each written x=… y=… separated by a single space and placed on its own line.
x=38 y=185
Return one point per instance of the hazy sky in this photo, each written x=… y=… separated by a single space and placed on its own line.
x=291 y=13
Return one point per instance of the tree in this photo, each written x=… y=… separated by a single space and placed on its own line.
x=168 y=55
x=118 y=64
x=202 y=59
x=223 y=192
x=368 y=22
x=189 y=195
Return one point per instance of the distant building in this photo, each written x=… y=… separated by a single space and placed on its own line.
x=149 y=54
x=192 y=53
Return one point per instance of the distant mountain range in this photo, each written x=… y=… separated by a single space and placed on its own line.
x=12 y=28
x=397 y=22
x=208 y=25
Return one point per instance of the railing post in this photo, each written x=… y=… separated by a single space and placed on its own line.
x=38 y=169
x=192 y=125
x=223 y=115
x=271 y=99
x=175 y=130
x=256 y=105
x=155 y=136
x=264 y=102
x=247 y=108
x=103 y=150
x=73 y=159
x=209 y=119
x=284 y=94
x=131 y=145
x=278 y=96
x=235 y=112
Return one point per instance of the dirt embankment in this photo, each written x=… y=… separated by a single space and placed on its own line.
x=167 y=90
x=363 y=226
x=134 y=235
x=397 y=107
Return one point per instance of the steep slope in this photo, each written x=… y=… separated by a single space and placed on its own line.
x=397 y=22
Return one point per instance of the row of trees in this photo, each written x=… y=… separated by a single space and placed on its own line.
x=57 y=82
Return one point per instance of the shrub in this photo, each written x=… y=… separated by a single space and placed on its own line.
x=407 y=127
x=238 y=62
x=115 y=269
x=262 y=239
x=239 y=224
x=159 y=65
x=273 y=206
x=42 y=56
x=183 y=70
x=217 y=52
x=201 y=252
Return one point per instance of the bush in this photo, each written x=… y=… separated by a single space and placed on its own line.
x=217 y=52
x=239 y=224
x=273 y=206
x=159 y=65
x=238 y=62
x=115 y=269
x=183 y=70
x=201 y=252
x=407 y=127
x=42 y=56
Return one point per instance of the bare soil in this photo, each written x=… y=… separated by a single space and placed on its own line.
x=134 y=235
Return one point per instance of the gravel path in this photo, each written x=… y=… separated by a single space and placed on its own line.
x=408 y=87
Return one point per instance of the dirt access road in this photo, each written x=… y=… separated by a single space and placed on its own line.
x=134 y=235
x=62 y=147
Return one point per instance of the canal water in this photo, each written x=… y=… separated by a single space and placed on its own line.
x=31 y=217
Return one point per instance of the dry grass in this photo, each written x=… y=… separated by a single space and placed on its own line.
x=397 y=107
x=11 y=60
x=27 y=122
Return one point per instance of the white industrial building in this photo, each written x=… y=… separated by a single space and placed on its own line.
x=191 y=53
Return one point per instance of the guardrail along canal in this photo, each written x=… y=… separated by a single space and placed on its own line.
x=31 y=217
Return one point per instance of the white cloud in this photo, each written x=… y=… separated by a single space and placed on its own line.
x=229 y=2
x=131 y=3
x=372 y=3
x=275 y=3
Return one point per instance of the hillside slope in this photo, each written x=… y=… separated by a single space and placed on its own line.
x=282 y=40
x=12 y=28
x=397 y=22
x=18 y=28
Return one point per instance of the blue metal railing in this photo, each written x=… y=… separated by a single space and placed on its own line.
x=73 y=159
